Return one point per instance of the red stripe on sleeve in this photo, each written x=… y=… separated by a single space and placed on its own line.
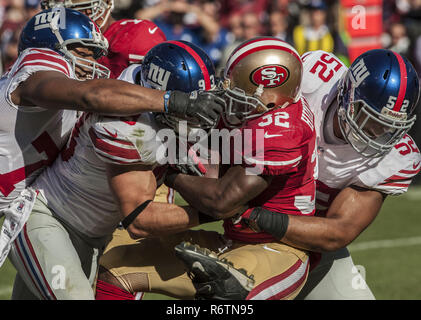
x=392 y=184
x=51 y=66
x=46 y=59
x=112 y=150
x=397 y=178
x=414 y=172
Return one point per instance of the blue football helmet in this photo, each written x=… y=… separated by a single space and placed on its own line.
x=377 y=99
x=177 y=65
x=99 y=10
x=59 y=28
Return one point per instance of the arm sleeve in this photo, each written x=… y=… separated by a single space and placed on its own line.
x=124 y=140
x=31 y=61
x=394 y=173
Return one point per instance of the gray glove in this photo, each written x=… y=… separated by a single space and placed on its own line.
x=205 y=106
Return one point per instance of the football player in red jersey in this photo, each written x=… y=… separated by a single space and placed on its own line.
x=263 y=78
x=129 y=40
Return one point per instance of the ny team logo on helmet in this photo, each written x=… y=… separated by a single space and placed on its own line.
x=377 y=98
x=178 y=65
x=59 y=28
x=260 y=74
x=96 y=9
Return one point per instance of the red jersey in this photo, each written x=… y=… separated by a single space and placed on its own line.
x=284 y=149
x=129 y=41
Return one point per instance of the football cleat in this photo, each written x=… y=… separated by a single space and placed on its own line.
x=214 y=278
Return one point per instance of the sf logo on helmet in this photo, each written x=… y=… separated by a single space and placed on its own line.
x=270 y=76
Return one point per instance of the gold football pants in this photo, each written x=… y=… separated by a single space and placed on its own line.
x=150 y=265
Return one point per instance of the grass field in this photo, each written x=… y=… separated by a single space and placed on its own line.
x=389 y=251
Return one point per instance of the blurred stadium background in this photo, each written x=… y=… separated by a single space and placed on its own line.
x=389 y=250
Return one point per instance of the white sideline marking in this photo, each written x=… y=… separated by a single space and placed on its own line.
x=6 y=290
x=377 y=244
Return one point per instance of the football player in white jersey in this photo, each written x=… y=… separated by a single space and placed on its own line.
x=41 y=92
x=362 y=116
x=109 y=170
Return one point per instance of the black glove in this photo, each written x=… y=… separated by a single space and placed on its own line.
x=205 y=106
x=259 y=219
x=170 y=176
x=186 y=162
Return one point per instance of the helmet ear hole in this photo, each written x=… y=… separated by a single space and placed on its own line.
x=270 y=105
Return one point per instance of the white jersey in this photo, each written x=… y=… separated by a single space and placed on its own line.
x=30 y=137
x=76 y=186
x=339 y=164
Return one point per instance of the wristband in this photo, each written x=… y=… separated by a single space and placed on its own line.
x=274 y=223
x=166 y=98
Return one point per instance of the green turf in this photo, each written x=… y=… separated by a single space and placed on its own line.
x=392 y=273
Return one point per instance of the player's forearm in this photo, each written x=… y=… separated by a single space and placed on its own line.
x=53 y=90
x=119 y=98
x=207 y=195
x=349 y=214
x=161 y=219
x=315 y=233
x=203 y=198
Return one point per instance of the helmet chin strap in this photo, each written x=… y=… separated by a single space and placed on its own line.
x=55 y=27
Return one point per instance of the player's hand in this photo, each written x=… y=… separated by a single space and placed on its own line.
x=259 y=219
x=249 y=218
x=191 y=165
x=185 y=160
x=205 y=106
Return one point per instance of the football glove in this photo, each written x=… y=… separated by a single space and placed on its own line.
x=189 y=162
x=205 y=106
x=259 y=219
